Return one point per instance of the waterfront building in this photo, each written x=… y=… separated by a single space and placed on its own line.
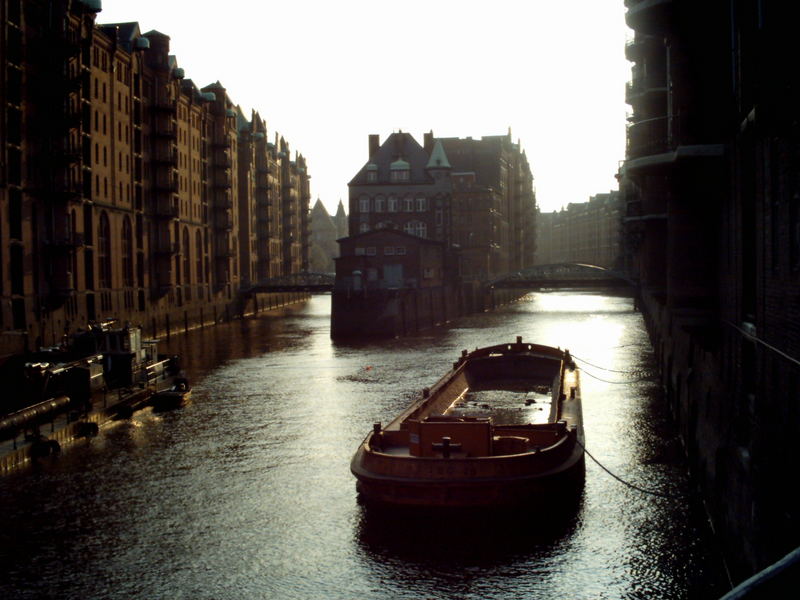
x=501 y=233
x=125 y=190
x=390 y=259
x=583 y=232
x=474 y=196
x=713 y=237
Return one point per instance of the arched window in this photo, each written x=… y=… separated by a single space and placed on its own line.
x=380 y=203
x=363 y=228
x=422 y=204
x=104 y=251
x=186 y=256
x=127 y=252
x=363 y=204
x=198 y=248
x=392 y=203
x=408 y=204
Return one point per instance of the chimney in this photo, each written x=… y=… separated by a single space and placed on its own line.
x=428 y=142
x=374 y=143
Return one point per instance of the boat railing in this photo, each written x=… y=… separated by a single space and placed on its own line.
x=516 y=347
x=460 y=466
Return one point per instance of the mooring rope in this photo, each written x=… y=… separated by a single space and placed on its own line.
x=603 y=368
x=628 y=483
x=627 y=372
x=643 y=378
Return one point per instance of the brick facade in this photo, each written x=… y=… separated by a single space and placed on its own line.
x=125 y=190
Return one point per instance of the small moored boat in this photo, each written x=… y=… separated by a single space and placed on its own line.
x=503 y=427
x=174 y=397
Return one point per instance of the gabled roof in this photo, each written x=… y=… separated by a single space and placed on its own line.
x=401 y=147
x=126 y=33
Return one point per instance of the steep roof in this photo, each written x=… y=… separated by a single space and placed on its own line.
x=438 y=158
x=399 y=149
x=126 y=33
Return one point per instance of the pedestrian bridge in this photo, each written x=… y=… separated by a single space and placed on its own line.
x=296 y=282
x=562 y=275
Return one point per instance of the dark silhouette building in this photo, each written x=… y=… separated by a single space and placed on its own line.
x=713 y=237
x=125 y=190
x=474 y=196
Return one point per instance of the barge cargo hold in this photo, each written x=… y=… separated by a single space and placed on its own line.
x=502 y=428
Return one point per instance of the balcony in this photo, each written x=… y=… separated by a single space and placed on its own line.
x=62 y=283
x=167 y=129
x=661 y=142
x=649 y=16
x=223 y=221
x=641 y=45
x=165 y=246
x=641 y=88
x=223 y=159
x=222 y=179
x=168 y=208
x=223 y=252
x=165 y=105
x=68 y=241
x=223 y=198
x=166 y=154
x=167 y=184
x=647 y=137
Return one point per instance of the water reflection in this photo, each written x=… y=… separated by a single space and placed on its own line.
x=456 y=537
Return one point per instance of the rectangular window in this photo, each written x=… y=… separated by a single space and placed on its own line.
x=400 y=250
x=371 y=251
x=359 y=251
x=388 y=250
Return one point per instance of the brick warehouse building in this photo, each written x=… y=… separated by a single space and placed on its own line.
x=713 y=236
x=474 y=196
x=125 y=190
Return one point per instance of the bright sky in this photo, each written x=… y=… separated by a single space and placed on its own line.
x=326 y=74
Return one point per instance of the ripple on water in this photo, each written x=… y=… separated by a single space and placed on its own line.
x=246 y=492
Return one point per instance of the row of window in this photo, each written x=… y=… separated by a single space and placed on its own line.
x=396 y=176
x=417 y=228
x=392 y=204
x=387 y=251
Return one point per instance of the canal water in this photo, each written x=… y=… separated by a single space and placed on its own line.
x=246 y=492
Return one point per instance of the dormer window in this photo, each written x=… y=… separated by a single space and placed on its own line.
x=372 y=173
x=400 y=171
x=400 y=176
